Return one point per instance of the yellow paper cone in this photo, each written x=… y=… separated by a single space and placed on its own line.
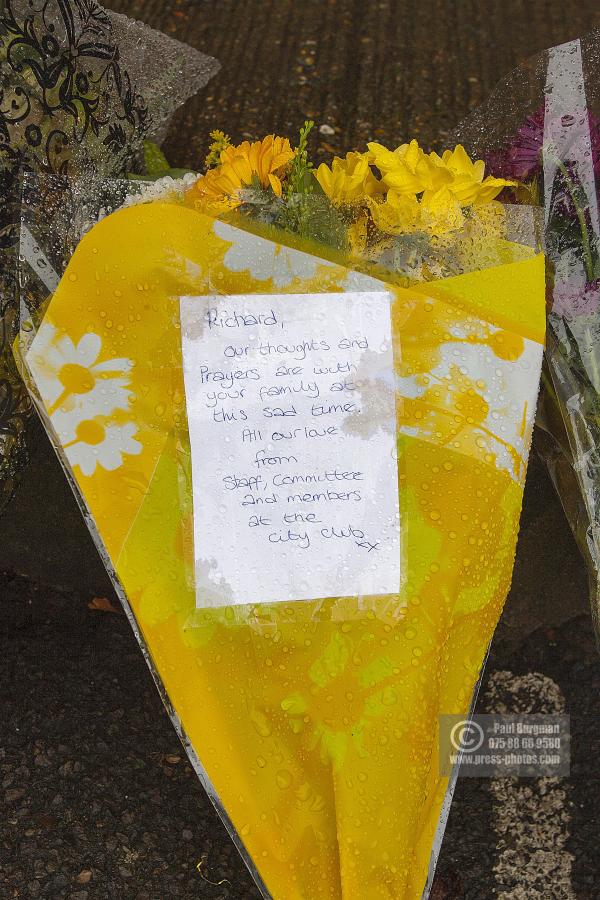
x=314 y=723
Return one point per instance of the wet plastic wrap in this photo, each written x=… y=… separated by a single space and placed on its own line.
x=310 y=717
x=542 y=127
x=80 y=89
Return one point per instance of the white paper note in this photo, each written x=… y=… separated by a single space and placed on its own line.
x=291 y=410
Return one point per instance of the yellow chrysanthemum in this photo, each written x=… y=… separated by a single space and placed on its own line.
x=397 y=214
x=427 y=192
x=348 y=180
x=435 y=213
x=440 y=212
x=408 y=169
x=467 y=182
x=262 y=160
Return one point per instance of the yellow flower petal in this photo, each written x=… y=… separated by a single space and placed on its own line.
x=349 y=180
x=275 y=183
x=264 y=160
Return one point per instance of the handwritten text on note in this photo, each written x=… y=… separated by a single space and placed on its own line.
x=290 y=403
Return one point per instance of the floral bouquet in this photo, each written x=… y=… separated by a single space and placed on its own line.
x=549 y=140
x=417 y=215
x=295 y=405
x=81 y=89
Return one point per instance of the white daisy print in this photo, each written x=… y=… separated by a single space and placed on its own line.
x=94 y=444
x=70 y=378
x=265 y=259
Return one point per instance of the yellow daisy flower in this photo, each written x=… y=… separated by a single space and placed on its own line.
x=264 y=160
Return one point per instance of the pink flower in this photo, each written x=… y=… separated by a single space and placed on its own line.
x=572 y=300
x=522 y=160
x=525 y=156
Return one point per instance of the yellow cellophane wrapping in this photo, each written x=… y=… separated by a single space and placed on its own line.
x=316 y=722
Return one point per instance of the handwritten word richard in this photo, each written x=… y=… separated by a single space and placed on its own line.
x=223 y=318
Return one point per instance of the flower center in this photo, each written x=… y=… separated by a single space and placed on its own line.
x=76 y=379
x=90 y=432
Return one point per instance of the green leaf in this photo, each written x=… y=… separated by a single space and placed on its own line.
x=155 y=161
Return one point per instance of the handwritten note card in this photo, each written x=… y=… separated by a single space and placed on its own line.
x=290 y=403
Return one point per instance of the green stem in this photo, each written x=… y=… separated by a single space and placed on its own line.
x=585 y=238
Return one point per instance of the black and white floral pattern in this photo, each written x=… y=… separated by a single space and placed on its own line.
x=68 y=107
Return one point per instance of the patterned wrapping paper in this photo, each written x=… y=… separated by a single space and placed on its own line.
x=80 y=90
x=313 y=725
